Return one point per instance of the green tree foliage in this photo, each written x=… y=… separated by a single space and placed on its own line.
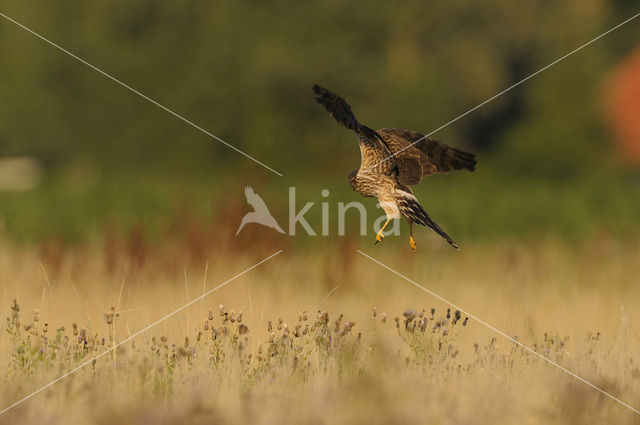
x=244 y=71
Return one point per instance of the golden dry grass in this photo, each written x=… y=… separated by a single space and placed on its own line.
x=584 y=298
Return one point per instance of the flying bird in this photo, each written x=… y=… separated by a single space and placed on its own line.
x=391 y=161
x=260 y=213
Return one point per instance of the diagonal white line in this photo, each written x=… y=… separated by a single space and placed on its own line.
x=511 y=87
x=139 y=94
x=137 y=333
x=500 y=332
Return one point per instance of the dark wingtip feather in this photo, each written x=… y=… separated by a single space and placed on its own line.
x=318 y=89
x=462 y=160
x=336 y=106
x=471 y=162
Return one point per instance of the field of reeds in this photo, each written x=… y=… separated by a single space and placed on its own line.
x=321 y=336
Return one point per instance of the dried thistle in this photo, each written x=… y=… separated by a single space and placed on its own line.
x=410 y=315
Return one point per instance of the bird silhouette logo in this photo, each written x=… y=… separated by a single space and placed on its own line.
x=260 y=213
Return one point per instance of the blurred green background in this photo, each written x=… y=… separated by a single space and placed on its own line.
x=242 y=70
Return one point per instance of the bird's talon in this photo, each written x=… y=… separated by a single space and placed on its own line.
x=379 y=237
x=413 y=244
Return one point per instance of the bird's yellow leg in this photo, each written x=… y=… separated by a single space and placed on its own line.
x=380 y=236
x=411 y=241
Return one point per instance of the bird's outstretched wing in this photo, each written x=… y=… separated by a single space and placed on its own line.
x=375 y=150
x=425 y=157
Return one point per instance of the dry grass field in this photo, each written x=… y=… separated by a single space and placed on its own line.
x=296 y=340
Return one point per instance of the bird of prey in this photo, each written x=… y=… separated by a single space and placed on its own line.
x=260 y=213
x=391 y=161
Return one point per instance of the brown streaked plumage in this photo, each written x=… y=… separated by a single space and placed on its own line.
x=391 y=161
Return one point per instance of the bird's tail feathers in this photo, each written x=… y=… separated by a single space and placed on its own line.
x=412 y=210
x=434 y=226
